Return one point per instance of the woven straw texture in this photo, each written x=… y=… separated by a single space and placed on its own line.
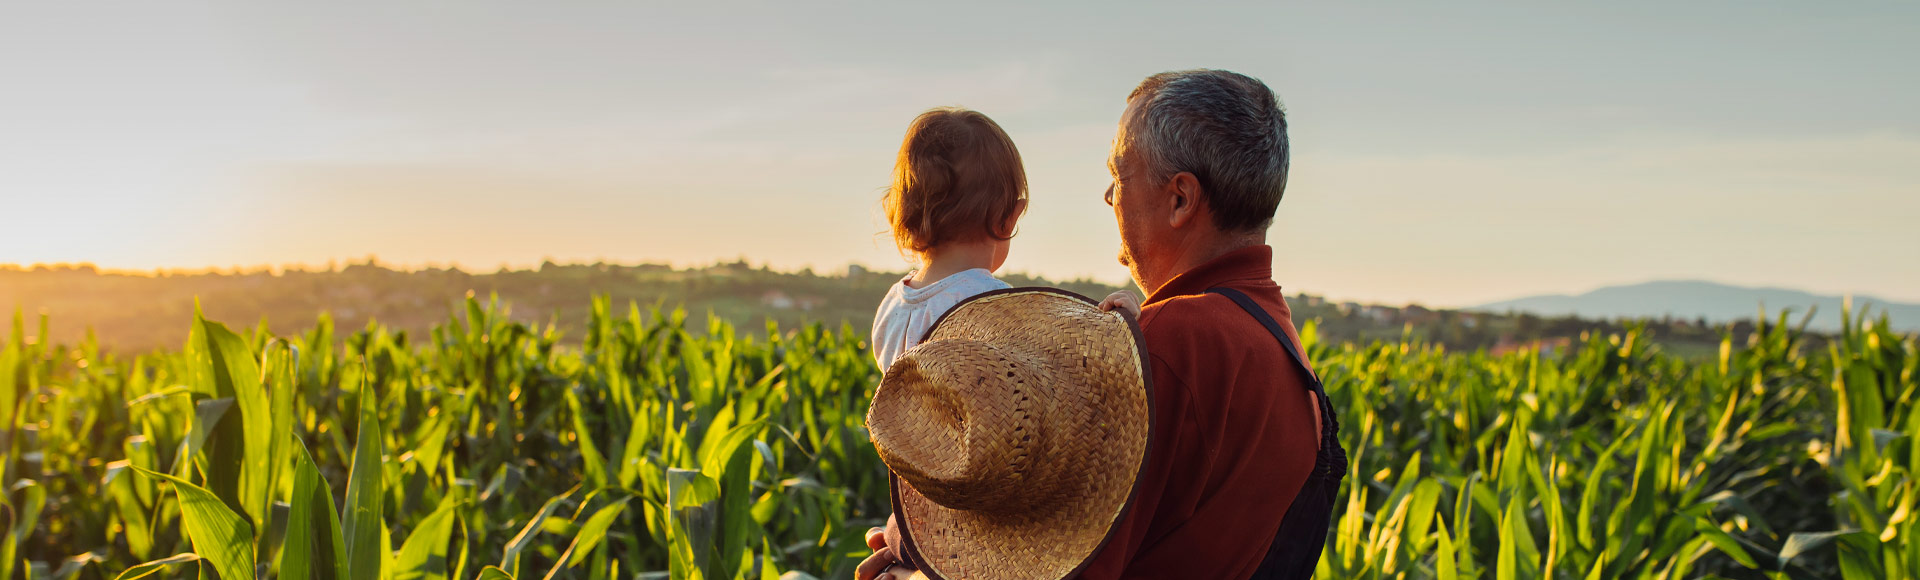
x=1017 y=431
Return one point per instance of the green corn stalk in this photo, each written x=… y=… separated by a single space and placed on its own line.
x=491 y=447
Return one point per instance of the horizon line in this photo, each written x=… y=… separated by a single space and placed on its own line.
x=338 y=266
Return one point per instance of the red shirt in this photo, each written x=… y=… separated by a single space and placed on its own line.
x=1234 y=430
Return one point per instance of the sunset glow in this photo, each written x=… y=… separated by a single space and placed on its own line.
x=1487 y=159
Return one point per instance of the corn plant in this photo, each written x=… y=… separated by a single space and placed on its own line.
x=654 y=447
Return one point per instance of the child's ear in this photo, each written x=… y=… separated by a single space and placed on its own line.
x=1013 y=218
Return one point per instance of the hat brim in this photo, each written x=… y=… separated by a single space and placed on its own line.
x=1058 y=543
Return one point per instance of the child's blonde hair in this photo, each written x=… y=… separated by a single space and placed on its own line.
x=958 y=179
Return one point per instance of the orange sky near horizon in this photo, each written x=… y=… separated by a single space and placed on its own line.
x=1442 y=155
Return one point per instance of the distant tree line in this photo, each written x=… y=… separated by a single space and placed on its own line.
x=133 y=312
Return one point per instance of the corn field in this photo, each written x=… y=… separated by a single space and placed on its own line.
x=493 y=449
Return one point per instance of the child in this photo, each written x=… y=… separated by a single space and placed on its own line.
x=958 y=192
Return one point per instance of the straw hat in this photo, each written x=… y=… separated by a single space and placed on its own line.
x=1015 y=433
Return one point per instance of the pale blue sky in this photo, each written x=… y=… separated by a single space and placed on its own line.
x=1445 y=153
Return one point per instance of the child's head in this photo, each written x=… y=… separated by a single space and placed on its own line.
x=958 y=179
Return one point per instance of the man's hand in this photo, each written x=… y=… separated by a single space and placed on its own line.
x=884 y=564
x=1123 y=300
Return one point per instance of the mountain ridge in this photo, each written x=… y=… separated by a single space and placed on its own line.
x=1716 y=302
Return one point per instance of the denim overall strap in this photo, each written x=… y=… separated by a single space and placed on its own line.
x=1296 y=547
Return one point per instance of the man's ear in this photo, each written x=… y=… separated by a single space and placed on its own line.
x=1184 y=199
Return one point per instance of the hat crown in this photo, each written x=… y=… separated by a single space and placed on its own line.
x=969 y=425
x=1087 y=423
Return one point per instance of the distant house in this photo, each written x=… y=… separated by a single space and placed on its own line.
x=856 y=270
x=1382 y=314
x=777 y=300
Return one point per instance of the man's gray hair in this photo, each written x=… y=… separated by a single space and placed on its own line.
x=1227 y=129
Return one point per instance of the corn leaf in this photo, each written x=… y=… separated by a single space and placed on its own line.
x=239 y=451
x=145 y=569
x=218 y=534
x=314 y=548
x=424 y=554
x=362 y=513
x=493 y=573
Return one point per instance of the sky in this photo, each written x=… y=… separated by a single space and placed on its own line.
x=1447 y=154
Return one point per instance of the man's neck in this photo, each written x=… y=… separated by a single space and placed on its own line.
x=950 y=259
x=1197 y=251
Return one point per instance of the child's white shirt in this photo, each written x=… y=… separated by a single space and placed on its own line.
x=906 y=313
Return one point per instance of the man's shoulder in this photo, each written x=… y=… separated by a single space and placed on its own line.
x=1189 y=320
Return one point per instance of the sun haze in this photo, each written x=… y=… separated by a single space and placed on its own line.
x=1449 y=154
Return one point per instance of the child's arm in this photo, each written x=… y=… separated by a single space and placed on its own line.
x=1123 y=300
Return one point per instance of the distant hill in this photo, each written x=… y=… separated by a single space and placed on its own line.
x=1690 y=299
x=136 y=312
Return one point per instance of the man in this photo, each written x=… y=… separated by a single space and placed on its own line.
x=1242 y=441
